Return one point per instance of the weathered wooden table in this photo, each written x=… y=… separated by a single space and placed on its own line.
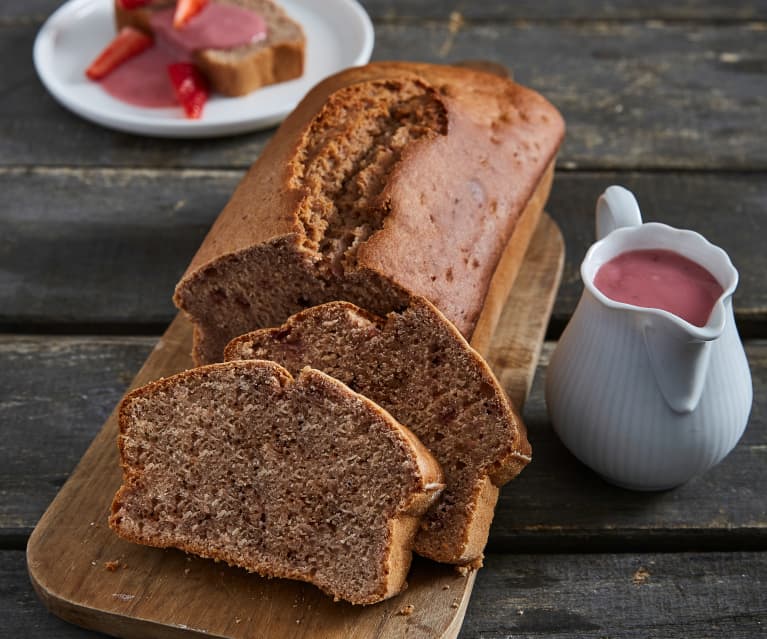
x=668 y=99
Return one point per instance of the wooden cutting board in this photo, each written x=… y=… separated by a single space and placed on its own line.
x=88 y=576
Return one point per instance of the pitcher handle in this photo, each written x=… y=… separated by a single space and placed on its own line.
x=616 y=207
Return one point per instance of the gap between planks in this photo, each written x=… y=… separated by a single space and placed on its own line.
x=563 y=167
x=119 y=172
x=757 y=22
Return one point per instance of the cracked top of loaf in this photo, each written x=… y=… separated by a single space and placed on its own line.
x=413 y=173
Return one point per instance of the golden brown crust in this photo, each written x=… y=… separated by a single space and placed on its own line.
x=500 y=141
x=482 y=511
x=241 y=224
x=458 y=254
x=510 y=263
x=262 y=67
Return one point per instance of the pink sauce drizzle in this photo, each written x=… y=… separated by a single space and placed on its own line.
x=660 y=279
x=143 y=80
x=217 y=26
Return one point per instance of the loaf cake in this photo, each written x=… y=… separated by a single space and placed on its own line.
x=417 y=366
x=238 y=71
x=287 y=477
x=387 y=181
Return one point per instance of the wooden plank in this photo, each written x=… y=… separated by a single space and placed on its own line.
x=20 y=609
x=673 y=596
x=108 y=247
x=58 y=390
x=588 y=10
x=108 y=253
x=636 y=95
x=211 y=600
x=630 y=595
x=698 y=10
x=27 y=11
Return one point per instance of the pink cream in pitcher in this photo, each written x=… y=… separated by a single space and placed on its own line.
x=658 y=278
x=143 y=80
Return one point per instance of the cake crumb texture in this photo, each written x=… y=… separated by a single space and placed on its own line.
x=417 y=366
x=298 y=478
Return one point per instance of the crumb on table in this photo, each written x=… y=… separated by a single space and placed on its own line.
x=407 y=610
x=111 y=566
x=640 y=576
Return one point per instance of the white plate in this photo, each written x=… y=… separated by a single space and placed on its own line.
x=339 y=34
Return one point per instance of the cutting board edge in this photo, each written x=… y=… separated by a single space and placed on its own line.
x=92 y=618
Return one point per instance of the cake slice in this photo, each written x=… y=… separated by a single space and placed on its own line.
x=238 y=71
x=416 y=365
x=287 y=477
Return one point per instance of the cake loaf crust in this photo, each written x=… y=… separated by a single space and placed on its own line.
x=420 y=369
x=387 y=181
x=288 y=477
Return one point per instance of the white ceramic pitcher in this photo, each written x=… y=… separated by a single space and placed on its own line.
x=643 y=397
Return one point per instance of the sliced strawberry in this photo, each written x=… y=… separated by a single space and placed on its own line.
x=129 y=42
x=133 y=4
x=190 y=87
x=186 y=10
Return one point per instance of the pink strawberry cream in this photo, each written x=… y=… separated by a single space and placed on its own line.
x=143 y=80
x=217 y=26
x=660 y=279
